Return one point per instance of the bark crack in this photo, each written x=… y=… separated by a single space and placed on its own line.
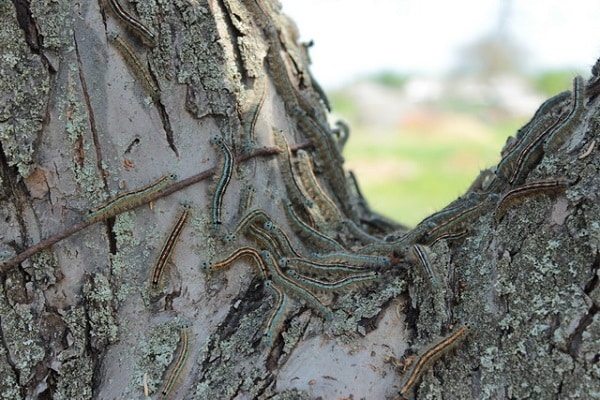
x=92 y=119
x=33 y=37
x=234 y=34
x=166 y=122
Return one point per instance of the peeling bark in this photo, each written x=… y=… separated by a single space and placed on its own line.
x=327 y=296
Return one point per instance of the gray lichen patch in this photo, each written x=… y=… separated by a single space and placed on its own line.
x=55 y=21
x=76 y=336
x=76 y=383
x=231 y=364
x=74 y=371
x=8 y=375
x=44 y=270
x=156 y=351
x=8 y=382
x=294 y=332
x=20 y=335
x=210 y=248
x=10 y=230
x=199 y=59
x=589 y=350
x=101 y=311
x=24 y=89
x=530 y=315
x=24 y=324
x=162 y=62
x=363 y=304
x=130 y=257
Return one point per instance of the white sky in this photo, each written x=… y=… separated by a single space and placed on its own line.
x=354 y=38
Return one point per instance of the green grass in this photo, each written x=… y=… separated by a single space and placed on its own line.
x=409 y=174
x=553 y=82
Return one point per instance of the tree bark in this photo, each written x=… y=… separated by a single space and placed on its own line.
x=101 y=100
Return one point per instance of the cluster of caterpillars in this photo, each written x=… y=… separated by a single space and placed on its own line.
x=335 y=265
x=344 y=243
x=342 y=253
x=285 y=270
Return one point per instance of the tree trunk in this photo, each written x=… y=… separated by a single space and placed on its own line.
x=117 y=275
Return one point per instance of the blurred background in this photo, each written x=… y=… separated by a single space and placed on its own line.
x=432 y=89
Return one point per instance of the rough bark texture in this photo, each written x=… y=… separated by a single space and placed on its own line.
x=82 y=121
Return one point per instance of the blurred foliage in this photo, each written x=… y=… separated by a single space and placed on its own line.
x=550 y=83
x=390 y=79
x=407 y=171
x=409 y=174
x=342 y=103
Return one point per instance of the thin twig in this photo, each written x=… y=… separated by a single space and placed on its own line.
x=177 y=186
x=19 y=258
